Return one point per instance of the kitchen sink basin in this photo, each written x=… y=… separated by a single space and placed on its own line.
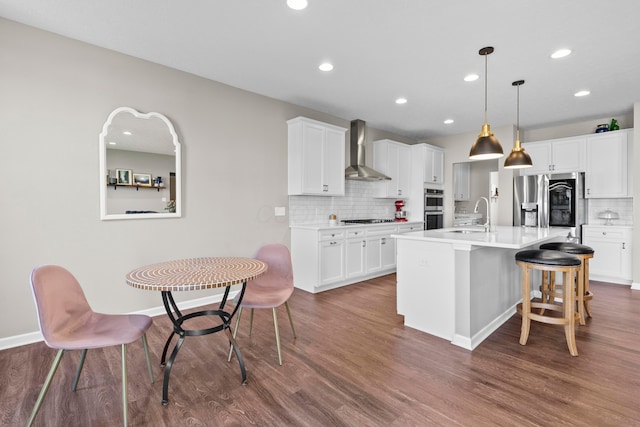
x=465 y=231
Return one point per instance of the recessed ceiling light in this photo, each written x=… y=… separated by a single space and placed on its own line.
x=448 y=121
x=126 y=132
x=561 y=53
x=297 y=4
x=401 y=101
x=582 y=93
x=471 y=78
x=326 y=66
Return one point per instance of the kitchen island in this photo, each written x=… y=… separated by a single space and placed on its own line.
x=462 y=284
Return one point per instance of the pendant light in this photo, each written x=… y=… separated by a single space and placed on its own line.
x=487 y=145
x=518 y=158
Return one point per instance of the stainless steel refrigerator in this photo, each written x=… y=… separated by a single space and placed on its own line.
x=552 y=200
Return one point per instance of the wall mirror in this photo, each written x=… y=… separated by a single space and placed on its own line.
x=140 y=166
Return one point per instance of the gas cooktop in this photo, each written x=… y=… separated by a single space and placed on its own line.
x=366 y=221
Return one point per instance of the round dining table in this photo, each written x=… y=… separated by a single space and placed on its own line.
x=191 y=275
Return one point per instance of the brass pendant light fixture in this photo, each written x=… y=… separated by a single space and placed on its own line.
x=518 y=158
x=486 y=146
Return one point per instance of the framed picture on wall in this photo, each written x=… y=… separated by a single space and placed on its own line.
x=124 y=176
x=142 y=179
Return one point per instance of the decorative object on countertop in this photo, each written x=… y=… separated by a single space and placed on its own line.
x=333 y=220
x=401 y=215
x=614 y=125
x=603 y=127
x=608 y=216
x=171 y=206
x=517 y=159
x=486 y=146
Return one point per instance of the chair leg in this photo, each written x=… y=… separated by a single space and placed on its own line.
x=526 y=305
x=83 y=355
x=251 y=322
x=286 y=304
x=45 y=386
x=146 y=353
x=124 y=384
x=275 y=325
x=235 y=332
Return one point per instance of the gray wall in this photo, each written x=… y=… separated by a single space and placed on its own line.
x=56 y=95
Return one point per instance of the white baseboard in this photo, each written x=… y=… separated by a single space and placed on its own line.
x=471 y=343
x=635 y=286
x=33 y=337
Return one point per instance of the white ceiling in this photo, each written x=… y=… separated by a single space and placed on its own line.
x=382 y=50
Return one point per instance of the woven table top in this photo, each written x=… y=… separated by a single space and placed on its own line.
x=195 y=274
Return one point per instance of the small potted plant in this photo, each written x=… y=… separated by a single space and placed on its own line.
x=171 y=206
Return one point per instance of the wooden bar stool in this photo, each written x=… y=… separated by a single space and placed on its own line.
x=550 y=261
x=584 y=253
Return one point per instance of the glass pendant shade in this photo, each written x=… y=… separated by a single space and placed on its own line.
x=518 y=158
x=486 y=146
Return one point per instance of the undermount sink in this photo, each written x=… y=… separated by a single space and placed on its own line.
x=465 y=231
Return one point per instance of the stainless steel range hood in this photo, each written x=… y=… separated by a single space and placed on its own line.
x=358 y=171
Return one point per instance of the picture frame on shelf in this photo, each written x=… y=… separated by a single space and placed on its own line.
x=124 y=176
x=142 y=179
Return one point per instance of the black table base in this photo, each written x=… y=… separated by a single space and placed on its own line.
x=177 y=318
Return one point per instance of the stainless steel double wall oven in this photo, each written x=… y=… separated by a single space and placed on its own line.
x=433 y=208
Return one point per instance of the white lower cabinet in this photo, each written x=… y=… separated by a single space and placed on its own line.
x=327 y=258
x=331 y=261
x=611 y=261
x=356 y=257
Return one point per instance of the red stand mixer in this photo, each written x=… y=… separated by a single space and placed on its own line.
x=401 y=215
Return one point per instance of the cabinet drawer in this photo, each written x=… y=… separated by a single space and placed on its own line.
x=409 y=228
x=330 y=235
x=615 y=234
x=355 y=232
x=381 y=231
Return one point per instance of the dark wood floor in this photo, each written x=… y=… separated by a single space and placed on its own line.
x=354 y=363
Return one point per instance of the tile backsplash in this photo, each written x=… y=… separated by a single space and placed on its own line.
x=359 y=202
x=624 y=208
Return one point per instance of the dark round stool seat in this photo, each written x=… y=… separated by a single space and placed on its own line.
x=570 y=248
x=548 y=257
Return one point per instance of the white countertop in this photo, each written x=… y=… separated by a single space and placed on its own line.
x=498 y=237
x=323 y=226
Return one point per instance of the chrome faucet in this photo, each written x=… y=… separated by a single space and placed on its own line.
x=487 y=225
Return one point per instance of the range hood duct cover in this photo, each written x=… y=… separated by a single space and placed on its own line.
x=358 y=171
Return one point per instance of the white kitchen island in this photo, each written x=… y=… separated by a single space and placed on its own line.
x=461 y=286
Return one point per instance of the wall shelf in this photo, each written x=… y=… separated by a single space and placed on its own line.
x=137 y=187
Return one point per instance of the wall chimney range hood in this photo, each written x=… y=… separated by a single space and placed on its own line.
x=358 y=171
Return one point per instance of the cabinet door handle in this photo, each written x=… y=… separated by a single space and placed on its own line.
x=383 y=241
x=434 y=178
x=604 y=233
x=333 y=243
x=623 y=247
x=588 y=191
x=399 y=192
x=325 y=187
x=364 y=243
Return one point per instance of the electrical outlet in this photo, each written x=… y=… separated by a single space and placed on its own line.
x=280 y=211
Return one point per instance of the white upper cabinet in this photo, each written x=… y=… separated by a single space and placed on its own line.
x=394 y=160
x=428 y=164
x=556 y=156
x=608 y=174
x=434 y=165
x=461 y=181
x=316 y=158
